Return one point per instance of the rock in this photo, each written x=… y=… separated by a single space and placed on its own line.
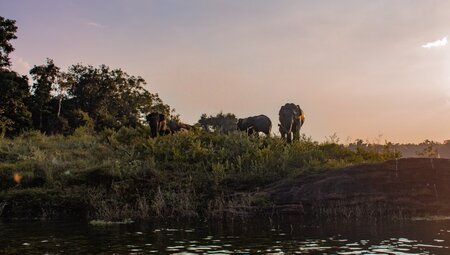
x=397 y=189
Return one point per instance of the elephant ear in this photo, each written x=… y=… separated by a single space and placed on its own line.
x=162 y=117
x=302 y=117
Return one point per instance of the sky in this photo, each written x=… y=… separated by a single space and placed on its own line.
x=363 y=69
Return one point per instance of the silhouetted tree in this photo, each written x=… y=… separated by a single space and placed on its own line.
x=8 y=31
x=14 y=89
x=62 y=101
x=45 y=79
x=14 y=95
x=111 y=97
x=222 y=123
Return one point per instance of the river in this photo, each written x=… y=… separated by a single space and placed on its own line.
x=228 y=237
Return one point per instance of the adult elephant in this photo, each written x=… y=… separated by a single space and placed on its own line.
x=176 y=126
x=157 y=122
x=291 y=118
x=255 y=124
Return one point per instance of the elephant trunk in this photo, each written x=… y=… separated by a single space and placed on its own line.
x=286 y=127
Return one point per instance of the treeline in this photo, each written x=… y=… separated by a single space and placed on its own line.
x=425 y=149
x=58 y=102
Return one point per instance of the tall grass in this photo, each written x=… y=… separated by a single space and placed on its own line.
x=114 y=175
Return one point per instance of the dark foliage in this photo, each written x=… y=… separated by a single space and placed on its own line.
x=14 y=98
x=60 y=102
x=8 y=30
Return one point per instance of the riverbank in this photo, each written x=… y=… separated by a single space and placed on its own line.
x=120 y=175
x=399 y=189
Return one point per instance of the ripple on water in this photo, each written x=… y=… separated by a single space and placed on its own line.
x=200 y=241
x=429 y=246
x=218 y=252
x=353 y=252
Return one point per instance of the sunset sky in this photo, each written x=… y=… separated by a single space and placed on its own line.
x=376 y=70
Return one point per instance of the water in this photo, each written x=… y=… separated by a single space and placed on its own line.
x=289 y=237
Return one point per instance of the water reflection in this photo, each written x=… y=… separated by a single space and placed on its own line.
x=288 y=237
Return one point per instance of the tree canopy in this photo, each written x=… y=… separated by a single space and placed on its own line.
x=14 y=98
x=60 y=102
x=221 y=122
x=8 y=31
x=14 y=91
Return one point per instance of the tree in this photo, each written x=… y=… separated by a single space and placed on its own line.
x=111 y=97
x=62 y=101
x=45 y=81
x=14 y=89
x=8 y=31
x=14 y=97
x=222 y=123
x=65 y=81
x=429 y=149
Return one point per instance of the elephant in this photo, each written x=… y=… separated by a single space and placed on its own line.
x=255 y=124
x=175 y=126
x=157 y=122
x=291 y=118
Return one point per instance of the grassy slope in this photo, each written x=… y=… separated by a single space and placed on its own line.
x=115 y=175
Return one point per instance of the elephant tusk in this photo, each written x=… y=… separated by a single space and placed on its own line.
x=284 y=129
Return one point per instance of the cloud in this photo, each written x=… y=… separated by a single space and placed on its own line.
x=20 y=65
x=436 y=44
x=94 y=24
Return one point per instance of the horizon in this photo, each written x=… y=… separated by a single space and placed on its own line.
x=371 y=70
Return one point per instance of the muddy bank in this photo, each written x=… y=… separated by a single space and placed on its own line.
x=397 y=189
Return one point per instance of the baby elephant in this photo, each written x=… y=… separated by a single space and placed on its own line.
x=255 y=124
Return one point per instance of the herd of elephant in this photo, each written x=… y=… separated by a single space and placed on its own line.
x=291 y=118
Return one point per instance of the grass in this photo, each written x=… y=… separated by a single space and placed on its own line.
x=108 y=223
x=124 y=174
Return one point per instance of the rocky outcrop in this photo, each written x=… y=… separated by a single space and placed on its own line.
x=397 y=188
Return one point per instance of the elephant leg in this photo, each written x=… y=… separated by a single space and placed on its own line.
x=153 y=132
x=297 y=135
x=289 y=137
x=296 y=129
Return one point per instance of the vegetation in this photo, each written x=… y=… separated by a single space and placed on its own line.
x=116 y=175
x=59 y=102
x=425 y=149
x=220 y=123
x=8 y=31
